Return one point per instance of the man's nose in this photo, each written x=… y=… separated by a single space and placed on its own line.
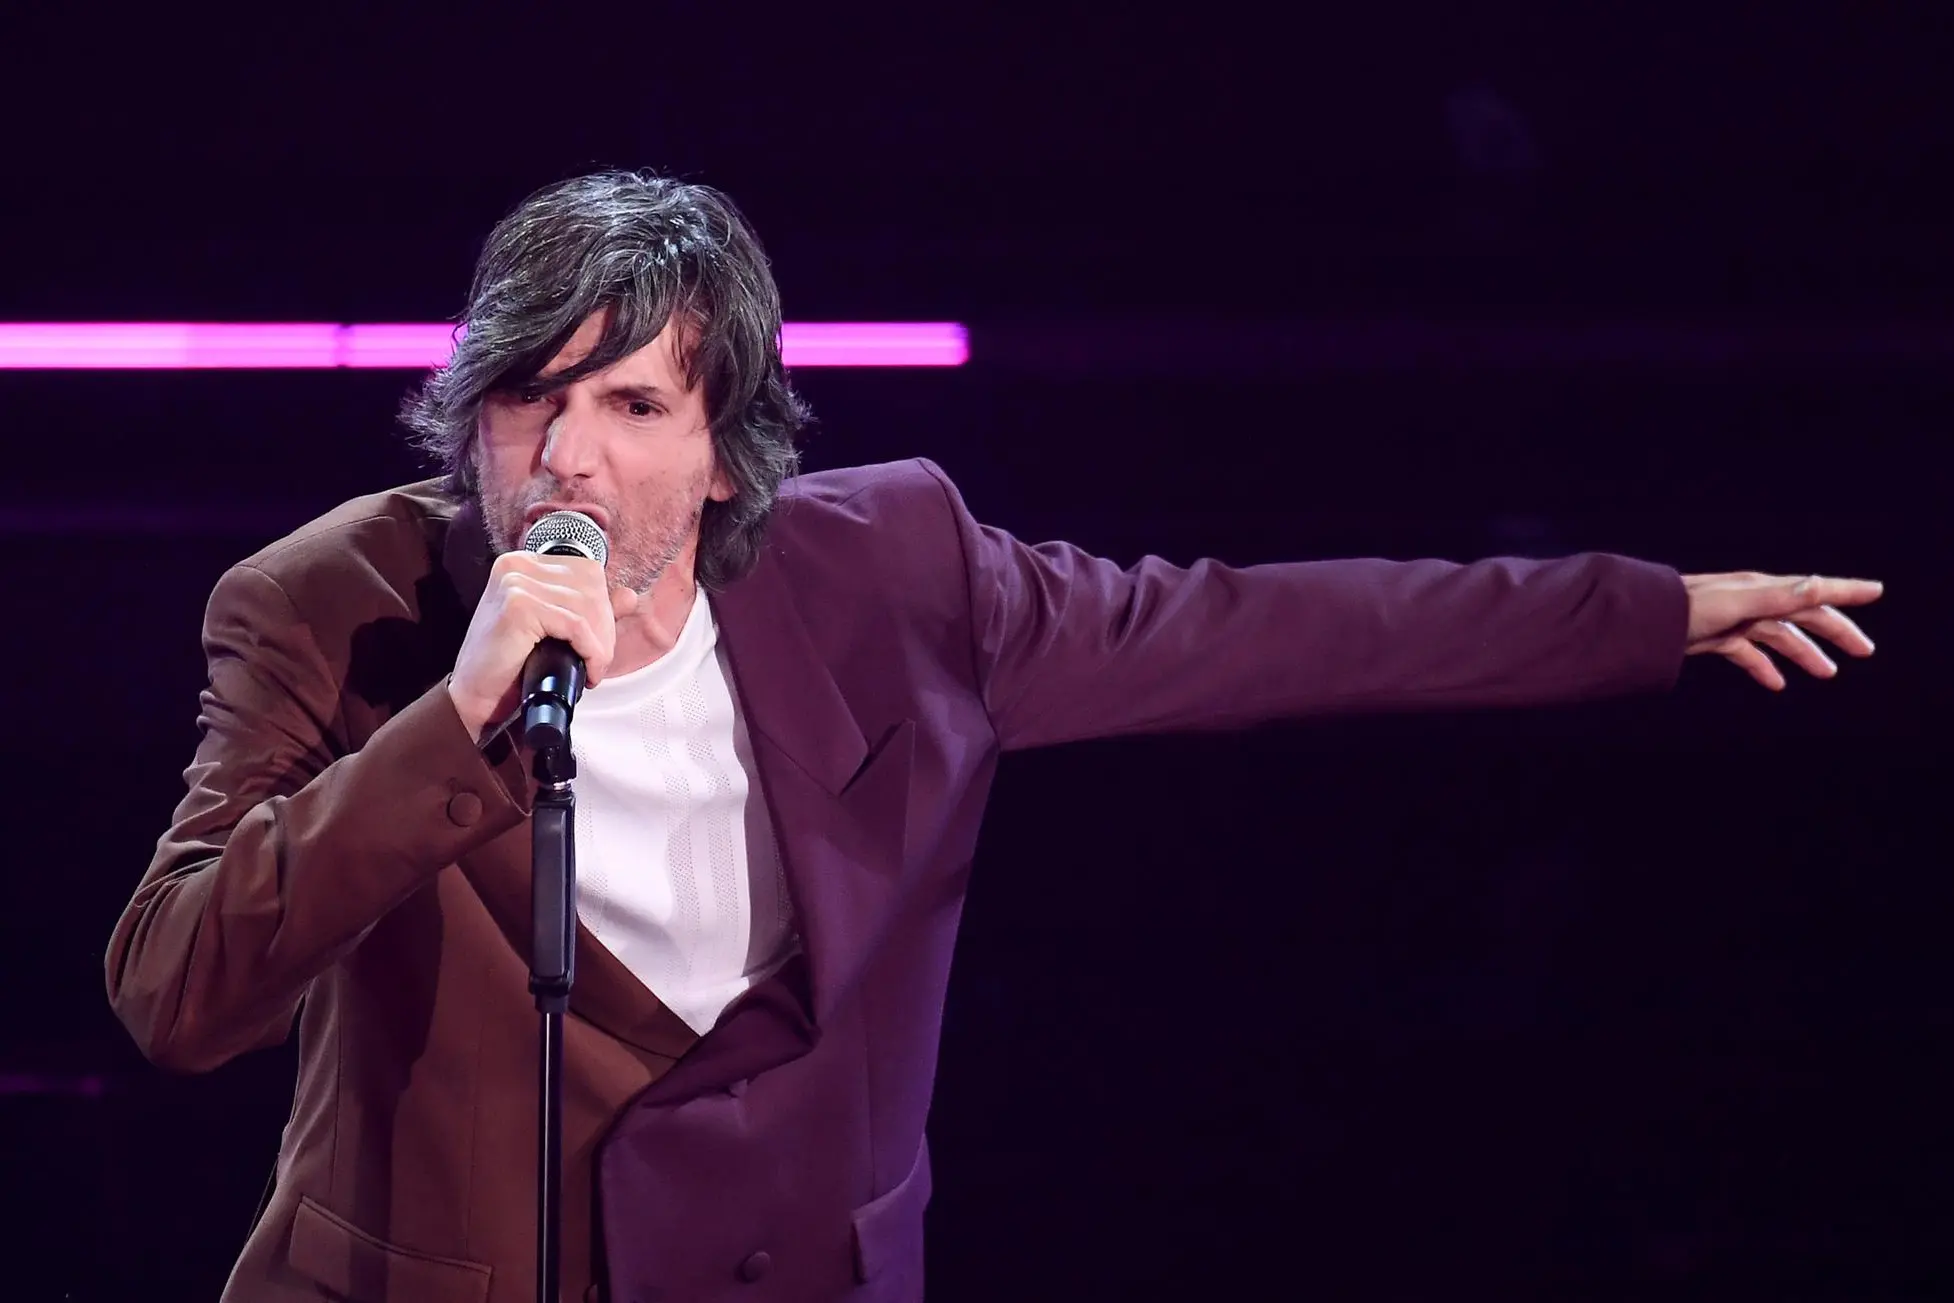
x=570 y=445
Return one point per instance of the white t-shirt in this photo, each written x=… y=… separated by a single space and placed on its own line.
x=678 y=873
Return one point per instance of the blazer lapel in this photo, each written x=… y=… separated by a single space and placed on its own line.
x=838 y=797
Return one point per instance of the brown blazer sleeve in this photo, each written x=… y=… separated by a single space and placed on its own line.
x=287 y=846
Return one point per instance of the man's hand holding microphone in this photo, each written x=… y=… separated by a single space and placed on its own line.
x=555 y=588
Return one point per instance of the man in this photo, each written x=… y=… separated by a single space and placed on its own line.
x=799 y=691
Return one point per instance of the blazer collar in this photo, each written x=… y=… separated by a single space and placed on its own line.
x=838 y=799
x=786 y=691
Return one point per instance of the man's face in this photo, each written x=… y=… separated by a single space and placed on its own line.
x=628 y=446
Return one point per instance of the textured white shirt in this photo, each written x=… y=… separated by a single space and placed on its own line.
x=678 y=873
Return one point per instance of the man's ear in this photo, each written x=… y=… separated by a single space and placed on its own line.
x=721 y=488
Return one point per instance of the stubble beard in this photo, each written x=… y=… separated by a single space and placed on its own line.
x=639 y=561
x=645 y=543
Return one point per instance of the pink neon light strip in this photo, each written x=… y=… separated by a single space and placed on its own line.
x=187 y=346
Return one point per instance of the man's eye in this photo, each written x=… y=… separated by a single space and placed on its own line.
x=641 y=408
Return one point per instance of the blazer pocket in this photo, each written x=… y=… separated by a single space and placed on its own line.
x=358 y=1267
x=889 y=1228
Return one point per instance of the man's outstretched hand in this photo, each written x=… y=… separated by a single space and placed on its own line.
x=1738 y=615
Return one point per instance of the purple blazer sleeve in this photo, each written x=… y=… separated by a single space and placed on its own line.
x=1071 y=646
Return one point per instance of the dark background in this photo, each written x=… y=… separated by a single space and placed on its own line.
x=1643 y=1000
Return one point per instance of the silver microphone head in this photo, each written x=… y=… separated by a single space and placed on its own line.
x=568 y=532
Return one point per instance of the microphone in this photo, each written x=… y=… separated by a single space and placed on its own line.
x=552 y=677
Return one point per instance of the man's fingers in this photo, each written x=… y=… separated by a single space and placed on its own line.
x=542 y=589
x=1835 y=628
x=1752 y=660
x=551 y=611
x=1817 y=590
x=569 y=624
x=1790 y=642
x=1731 y=614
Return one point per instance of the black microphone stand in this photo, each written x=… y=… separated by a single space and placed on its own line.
x=548 y=698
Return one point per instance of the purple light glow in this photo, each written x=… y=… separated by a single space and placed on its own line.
x=88 y=1085
x=190 y=346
